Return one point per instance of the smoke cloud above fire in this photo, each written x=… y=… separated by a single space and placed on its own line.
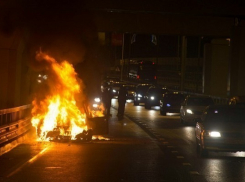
x=63 y=29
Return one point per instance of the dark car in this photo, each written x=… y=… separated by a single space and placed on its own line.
x=153 y=95
x=115 y=87
x=171 y=102
x=140 y=91
x=192 y=108
x=221 y=128
x=109 y=80
x=130 y=88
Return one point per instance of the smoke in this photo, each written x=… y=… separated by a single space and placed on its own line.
x=63 y=29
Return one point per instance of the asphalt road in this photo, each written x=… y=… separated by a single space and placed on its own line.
x=217 y=167
x=130 y=154
x=144 y=146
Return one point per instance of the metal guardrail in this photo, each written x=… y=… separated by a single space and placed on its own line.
x=14 y=122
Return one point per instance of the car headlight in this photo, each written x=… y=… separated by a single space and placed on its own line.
x=114 y=91
x=189 y=111
x=168 y=105
x=95 y=105
x=139 y=95
x=152 y=97
x=213 y=133
x=97 y=99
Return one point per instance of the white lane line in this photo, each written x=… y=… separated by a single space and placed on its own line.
x=27 y=163
x=186 y=164
x=194 y=172
x=180 y=157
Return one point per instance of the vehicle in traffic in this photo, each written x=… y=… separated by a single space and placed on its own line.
x=221 y=128
x=130 y=88
x=109 y=80
x=171 y=102
x=140 y=91
x=192 y=108
x=142 y=71
x=153 y=95
x=115 y=87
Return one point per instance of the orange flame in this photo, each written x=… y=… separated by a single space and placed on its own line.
x=58 y=109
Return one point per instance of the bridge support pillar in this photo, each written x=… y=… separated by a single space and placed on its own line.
x=216 y=68
x=237 y=62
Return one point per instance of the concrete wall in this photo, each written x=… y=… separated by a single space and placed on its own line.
x=216 y=68
x=237 y=62
x=13 y=71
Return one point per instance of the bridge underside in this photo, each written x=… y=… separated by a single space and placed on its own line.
x=202 y=18
x=163 y=24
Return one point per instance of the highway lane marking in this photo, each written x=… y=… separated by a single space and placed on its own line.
x=53 y=167
x=27 y=163
x=194 y=172
x=186 y=164
x=180 y=157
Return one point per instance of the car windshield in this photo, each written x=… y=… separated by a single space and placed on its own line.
x=129 y=87
x=173 y=97
x=199 y=101
x=158 y=91
x=226 y=115
x=116 y=84
x=142 y=88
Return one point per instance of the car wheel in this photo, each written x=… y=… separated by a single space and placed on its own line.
x=136 y=103
x=163 y=112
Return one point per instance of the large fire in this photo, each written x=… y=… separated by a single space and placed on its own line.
x=57 y=110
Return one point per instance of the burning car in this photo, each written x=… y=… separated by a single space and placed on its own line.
x=58 y=112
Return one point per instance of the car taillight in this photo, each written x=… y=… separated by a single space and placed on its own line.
x=138 y=77
x=155 y=77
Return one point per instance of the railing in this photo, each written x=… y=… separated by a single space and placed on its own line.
x=14 y=122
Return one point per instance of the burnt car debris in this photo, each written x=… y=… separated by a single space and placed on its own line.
x=96 y=124
x=57 y=136
x=85 y=135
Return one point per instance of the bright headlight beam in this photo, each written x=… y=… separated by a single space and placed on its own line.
x=214 y=134
x=139 y=95
x=189 y=111
x=152 y=98
x=97 y=99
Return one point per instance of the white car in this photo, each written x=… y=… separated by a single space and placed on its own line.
x=221 y=128
x=192 y=108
